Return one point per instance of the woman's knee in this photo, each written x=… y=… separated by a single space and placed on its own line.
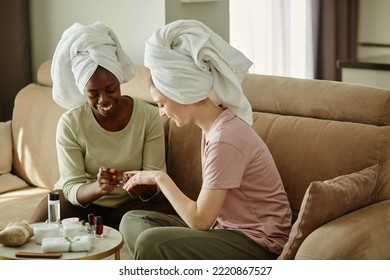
x=151 y=244
x=131 y=217
x=126 y=221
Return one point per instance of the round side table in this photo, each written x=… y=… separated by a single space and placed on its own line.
x=110 y=244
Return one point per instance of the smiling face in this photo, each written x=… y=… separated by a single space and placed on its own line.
x=103 y=93
x=180 y=113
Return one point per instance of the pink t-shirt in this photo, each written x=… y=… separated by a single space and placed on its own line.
x=234 y=157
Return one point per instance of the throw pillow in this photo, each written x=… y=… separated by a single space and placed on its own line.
x=328 y=200
x=5 y=147
x=9 y=182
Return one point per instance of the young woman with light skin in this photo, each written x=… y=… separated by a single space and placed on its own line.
x=242 y=210
x=173 y=235
x=199 y=214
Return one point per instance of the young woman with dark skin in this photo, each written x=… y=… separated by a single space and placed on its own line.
x=113 y=112
x=103 y=133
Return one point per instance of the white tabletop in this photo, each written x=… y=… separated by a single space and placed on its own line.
x=110 y=244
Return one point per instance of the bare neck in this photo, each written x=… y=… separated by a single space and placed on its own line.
x=206 y=114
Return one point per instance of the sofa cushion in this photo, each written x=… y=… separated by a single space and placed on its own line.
x=10 y=182
x=5 y=147
x=323 y=149
x=328 y=200
x=23 y=202
x=34 y=132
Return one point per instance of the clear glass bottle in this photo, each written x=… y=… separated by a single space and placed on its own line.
x=53 y=205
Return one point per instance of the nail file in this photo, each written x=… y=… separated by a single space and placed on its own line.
x=38 y=255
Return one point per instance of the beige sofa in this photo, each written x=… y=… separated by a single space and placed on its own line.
x=316 y=131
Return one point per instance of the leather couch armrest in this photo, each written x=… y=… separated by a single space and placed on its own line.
x=361 y=234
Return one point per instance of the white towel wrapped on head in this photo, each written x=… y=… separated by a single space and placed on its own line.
x=66 y=244
x=187 y=60
x=81 y=49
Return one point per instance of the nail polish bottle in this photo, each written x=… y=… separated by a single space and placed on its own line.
x=99 y=227
x=91 y=224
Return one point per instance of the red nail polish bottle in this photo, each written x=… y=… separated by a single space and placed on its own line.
x=99 y=227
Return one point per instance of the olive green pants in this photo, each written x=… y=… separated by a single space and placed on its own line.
x=152 y=235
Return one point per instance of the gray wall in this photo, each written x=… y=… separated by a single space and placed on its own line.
x=215 y=14
x=132 y=20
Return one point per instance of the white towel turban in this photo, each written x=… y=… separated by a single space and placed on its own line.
x=80 y=51
x=187 y=60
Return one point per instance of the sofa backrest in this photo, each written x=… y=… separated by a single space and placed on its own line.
x=34 y=123
x=316 y=130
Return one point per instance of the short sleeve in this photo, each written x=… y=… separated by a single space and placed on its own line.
x=223 y=166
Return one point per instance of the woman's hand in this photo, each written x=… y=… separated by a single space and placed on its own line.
x=108 y=179
x=139 y=182
x=200 y=214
